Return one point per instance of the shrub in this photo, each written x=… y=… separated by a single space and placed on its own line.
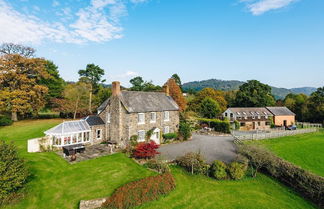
x=146 y=150
x=5 y=121
x=307 y=184
x=218 y=170
x=13 y=172
x=184 y=130
x=157 y=165
x=170 y=136
x=218 y=125
x=193 y=163
x=138 y=192
x=133 y=140
x=237 y=125
x=236 y=170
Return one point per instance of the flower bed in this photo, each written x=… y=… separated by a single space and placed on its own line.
x=138 y=192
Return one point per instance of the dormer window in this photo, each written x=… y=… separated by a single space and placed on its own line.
x=141 y=118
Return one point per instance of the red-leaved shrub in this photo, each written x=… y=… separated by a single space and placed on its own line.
x=138 y=192
x=146 y=150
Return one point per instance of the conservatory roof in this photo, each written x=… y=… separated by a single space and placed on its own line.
x=69 y=127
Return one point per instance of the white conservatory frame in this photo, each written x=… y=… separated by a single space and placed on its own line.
x=69 y=133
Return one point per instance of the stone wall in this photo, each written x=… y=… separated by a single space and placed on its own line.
x=258 y=125
x=94 y=134
x=92 y=204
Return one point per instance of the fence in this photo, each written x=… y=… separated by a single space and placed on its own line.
x=309 y=125
x=275 y=134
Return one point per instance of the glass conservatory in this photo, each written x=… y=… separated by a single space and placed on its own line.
x=69 y=133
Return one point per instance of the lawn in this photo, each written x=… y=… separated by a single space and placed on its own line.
x=57 y=184
x=306 y=150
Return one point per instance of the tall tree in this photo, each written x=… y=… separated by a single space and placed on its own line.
x=316 y=106
x=209 y=108
x=298 y=104
x=75 y=99
x=137 y=83
x=54 y=83
x=176 y=93
x=216 y=95
x=19 y=84
x=177 y=79
x=11 y=48
x=254 y=94
x=92 y=75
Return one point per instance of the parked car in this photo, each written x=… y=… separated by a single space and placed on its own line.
x=293 y=127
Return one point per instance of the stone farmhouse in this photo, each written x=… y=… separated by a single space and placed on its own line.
x=260 y=118
x=123 y=115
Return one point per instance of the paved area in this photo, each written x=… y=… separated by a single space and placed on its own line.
x=90 y=152
x=211 y=147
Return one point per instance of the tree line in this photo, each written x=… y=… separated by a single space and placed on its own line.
x=30 y=84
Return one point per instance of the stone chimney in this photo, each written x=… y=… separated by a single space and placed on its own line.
x=115 y=88
x=166 y=89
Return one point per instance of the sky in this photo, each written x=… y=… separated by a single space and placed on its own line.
x=279 y=42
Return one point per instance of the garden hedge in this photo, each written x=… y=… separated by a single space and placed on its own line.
x=138 y=192
x=307 y=184
x=218 y=125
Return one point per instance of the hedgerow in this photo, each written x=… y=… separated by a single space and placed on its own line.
x=307 y=184
x=138 y=192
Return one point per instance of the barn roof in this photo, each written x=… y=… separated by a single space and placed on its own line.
x=250 y=111
x=280 y=111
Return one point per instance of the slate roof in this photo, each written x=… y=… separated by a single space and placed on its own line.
x=250 y=111
x=138 y=101
x=280 y=111
x=94 y=120
x=69 y=127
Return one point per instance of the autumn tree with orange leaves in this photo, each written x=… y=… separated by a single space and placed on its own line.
x=176 y=93
x=20 y=91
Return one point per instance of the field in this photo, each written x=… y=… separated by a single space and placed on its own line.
x=306 y=151
x=56 y=184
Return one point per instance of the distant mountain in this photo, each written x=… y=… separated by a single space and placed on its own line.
x=229 y=85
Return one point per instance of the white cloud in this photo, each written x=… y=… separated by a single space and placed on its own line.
x=261 y=6
x=98 y=22
x=126 y=75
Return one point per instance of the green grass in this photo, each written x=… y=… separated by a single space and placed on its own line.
x=57 y=184
x=306 y=150
x=195 y=191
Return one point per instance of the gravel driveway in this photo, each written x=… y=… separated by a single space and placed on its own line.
x=211 y=147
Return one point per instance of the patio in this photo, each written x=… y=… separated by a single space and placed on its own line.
x=90 y=152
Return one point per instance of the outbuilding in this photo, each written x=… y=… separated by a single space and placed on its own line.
x=282 y=116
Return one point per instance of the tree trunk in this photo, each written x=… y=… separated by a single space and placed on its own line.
x=76 y=108
x=90 y=100
x=14 y=116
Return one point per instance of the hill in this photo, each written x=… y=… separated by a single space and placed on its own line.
x=228 y=85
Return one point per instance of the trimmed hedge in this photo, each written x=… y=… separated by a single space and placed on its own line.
x=5 y=121
x=236 y=170
x=170 y=136
x=307 y=184
x=218 y=125
x=218 y=170
x=138 y=192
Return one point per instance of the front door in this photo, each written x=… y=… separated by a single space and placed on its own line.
x=156 y=136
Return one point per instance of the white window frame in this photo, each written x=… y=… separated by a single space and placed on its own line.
x=153 y=121
x=164 y=116
x=97 y=134
x=139 y=136
x=166 y=129
x=138 y=118
x=108 y=117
